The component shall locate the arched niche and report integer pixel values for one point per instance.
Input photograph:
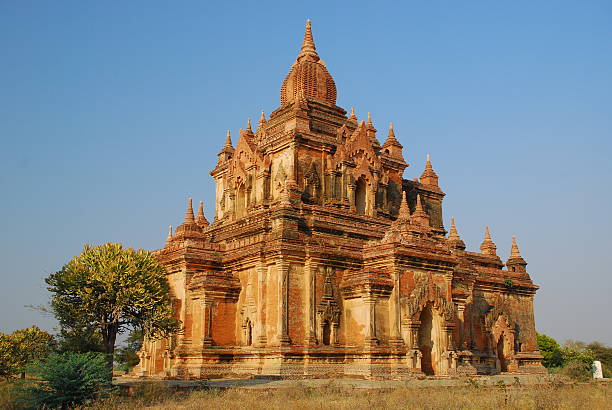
(361, 196)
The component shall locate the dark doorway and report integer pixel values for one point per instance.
(500, 354)
(426, 342)
(326, 332)
(360, 196)
(249, 333)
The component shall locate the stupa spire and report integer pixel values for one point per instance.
(201, 219)
(248, 126)
(487, 246)
(169, 238)
(454, 240)
(228, 140)
(419, 215)
(514, 251)
(429, 176)
(515, 262)
(189, 217)
(353, 117)
(452, 233)
(308, 45)
(262, 120)
(404, 211)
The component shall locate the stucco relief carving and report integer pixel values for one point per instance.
(426, 290)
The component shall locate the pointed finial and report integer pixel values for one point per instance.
(262, 119)
(353, 117)
(404, 211)
(429, 176)
(189, 218)
(419, 204)
(487, 246)
(201, 219)
(452, 233)
(391, 133)
(169, 238)
(419, 216)
(308, 45)
(248, 127)
(514, 251)
(369, 119)
(228, 139)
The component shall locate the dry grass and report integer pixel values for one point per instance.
(546, 396)
(556, 395)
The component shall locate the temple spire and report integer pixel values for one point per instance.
(308, 45)
(227, 150)
(487, 246)
(452, 233)
(514, 251)
(201, 219)
(248, 127)
(404, 211)
(353, 117)
(454, 240)
(262, 120)
(169, 238)
(429, 176)
(370, 120)
(419, 215)
(515, 262)
(189, 217)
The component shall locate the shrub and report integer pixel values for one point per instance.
(549, 348)
(69, 379)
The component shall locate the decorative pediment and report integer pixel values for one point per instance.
(426, 291)
(501, 307)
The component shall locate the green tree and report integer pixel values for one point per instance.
(8, 364)
(68, 379)
(110, 289)
(21, 348)
(577, 360)
(30, 344)
(79, 340)
(550, 349)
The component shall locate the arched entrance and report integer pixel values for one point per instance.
(249, 333)
(501, 354)
(360, 196)
(430, 340)
(326, 333)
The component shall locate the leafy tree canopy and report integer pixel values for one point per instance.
(21, 348)
(110, 289)
(550, 349)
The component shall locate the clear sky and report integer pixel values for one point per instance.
(111, 114)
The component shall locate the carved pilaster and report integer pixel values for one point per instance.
(396, 326)
(283, 274)
(370, 336)
(461, 317)
(207, 307)
(261, 281)
(310, 269)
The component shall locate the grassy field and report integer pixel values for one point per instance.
(557, 395)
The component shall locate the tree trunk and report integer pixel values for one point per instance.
(109, 336)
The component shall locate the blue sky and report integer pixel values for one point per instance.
(111, 114)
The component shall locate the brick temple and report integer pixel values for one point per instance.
(322, 261)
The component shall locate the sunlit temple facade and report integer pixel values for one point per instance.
(323, 261)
